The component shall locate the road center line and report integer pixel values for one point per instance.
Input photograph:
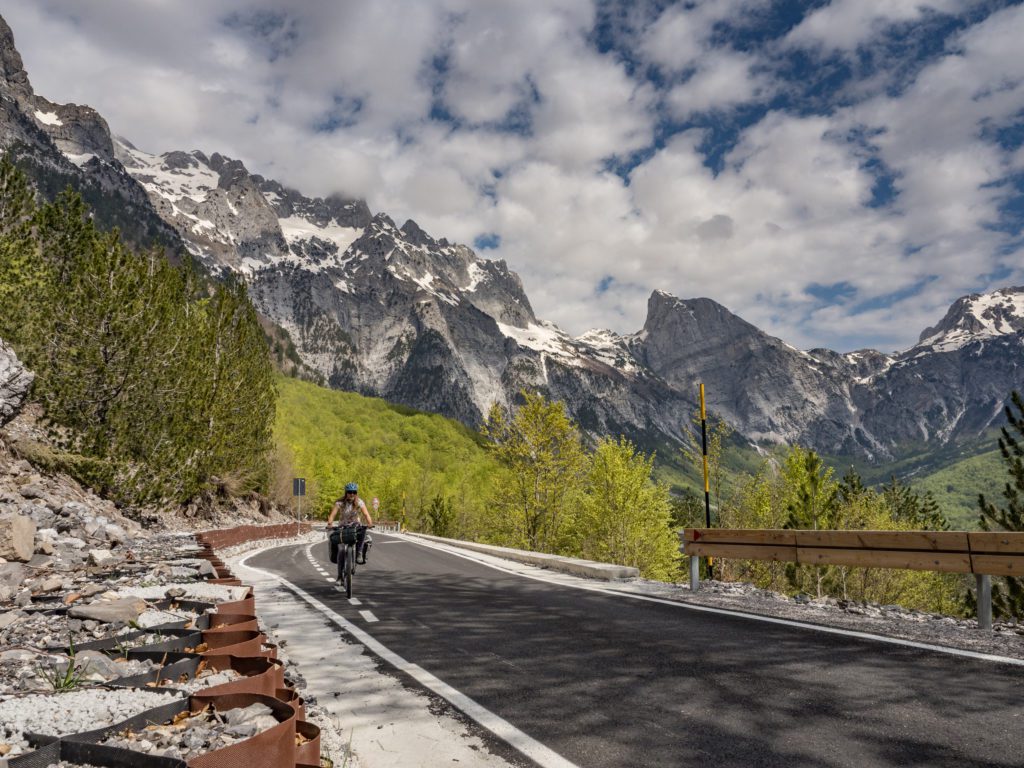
(368, 615)
(504, 730)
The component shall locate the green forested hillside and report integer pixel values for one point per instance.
(406, 458)
(956, 487)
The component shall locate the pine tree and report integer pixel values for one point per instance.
(812, 502)
(908, 506)
(236, 395)
(1010, 517)
(21, 272)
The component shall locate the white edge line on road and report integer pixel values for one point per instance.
(504, 730)
(740, 614)
(368, 615)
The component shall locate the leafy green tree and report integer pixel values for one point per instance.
(1010, 517)
(759, 502)
(626, 518)
(541, 451)
(687, 510)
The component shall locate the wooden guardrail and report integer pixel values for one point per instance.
(982, 553)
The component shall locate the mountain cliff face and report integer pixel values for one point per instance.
(61, 145)
(391, 311)
(952, 384)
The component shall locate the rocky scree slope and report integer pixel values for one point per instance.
(81, 585)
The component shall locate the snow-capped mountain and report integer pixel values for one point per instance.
(391, 311)
(66, 144)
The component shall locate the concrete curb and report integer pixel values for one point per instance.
(587, 568)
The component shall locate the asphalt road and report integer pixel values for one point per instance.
(605, 680)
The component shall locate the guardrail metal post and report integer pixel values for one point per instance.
(984, 600)
(694, 573)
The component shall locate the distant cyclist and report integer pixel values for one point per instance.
(349, 509)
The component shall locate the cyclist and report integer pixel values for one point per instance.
(351, 508)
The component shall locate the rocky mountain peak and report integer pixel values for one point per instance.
(231, 172)
(80, 132)
(415, 235)
(977, 316)
(12, 70)
(700, 322)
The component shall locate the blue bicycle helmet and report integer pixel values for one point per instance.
(351, 488)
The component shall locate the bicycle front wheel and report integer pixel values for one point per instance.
(350, 557)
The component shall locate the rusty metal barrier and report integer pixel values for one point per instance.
(242, 534)
(233, 639)
(307, 742)
(234, 643)
(224, 622)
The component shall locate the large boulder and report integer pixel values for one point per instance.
(17, 537)
(14, 383)
(123, 610)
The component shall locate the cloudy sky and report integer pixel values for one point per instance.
(834, 172)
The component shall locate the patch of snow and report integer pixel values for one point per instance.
(194, 182)
(296, 229)
(477, 275)
(607, 347)
(542, 337)
(81, 159)
(48, 118)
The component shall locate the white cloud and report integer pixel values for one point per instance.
(722, 79)
(845, 24)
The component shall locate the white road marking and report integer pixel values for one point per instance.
(738, 614)
(370, 618)
(530, 747)
(354, 601)
(328, 578)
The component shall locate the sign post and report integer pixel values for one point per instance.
(298, 491)
(704, 450)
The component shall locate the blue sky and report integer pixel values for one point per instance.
(834, 172)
